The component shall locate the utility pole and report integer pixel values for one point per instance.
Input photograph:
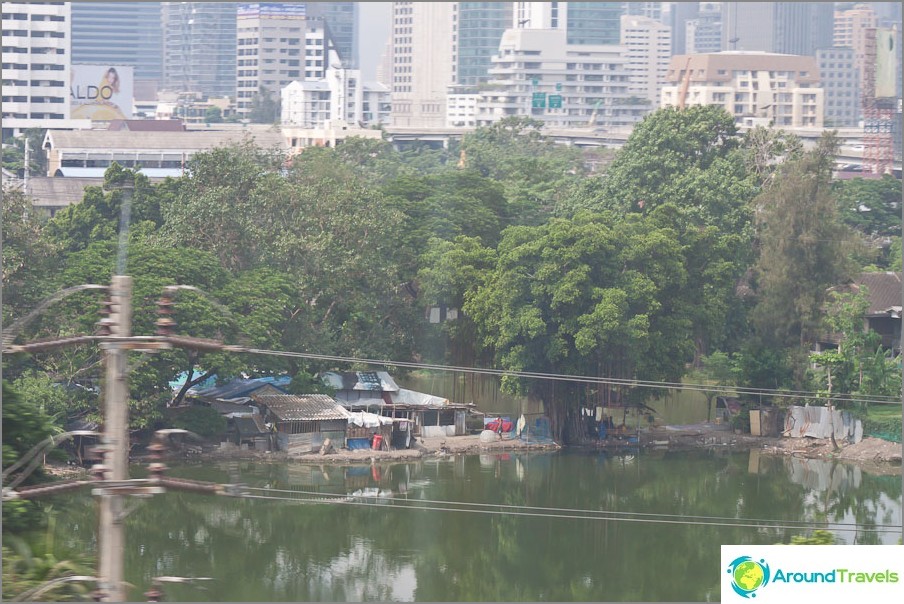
(116, 442)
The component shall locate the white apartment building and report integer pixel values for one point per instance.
(649, 47)
(461, 107)
(340, 96)
(36, 67)
(537, 74)
(423, 61)
(277, 44)
(781, 89)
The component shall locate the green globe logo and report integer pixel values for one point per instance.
(748, 575)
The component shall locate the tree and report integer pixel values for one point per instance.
(717, 369)
(585, 298)
(804, 251)
(873, 207)
(213, 115)
(859, 367)
(264, 108)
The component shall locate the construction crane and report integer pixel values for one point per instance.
(685, 84)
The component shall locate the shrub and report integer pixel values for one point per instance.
(203, 421)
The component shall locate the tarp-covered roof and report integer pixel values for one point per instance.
(377, 381)
(242, 388)
(307, 407)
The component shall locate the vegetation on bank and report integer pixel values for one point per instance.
(697, 251)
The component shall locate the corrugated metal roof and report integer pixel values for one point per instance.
(46, 191)
(884, 291)
(250, 426)
(374, 381)
(307, 407)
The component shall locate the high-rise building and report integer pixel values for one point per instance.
(119, 33)
(479, 28)
(341, 19)
(422, 62)
(597, 23)
(840, 79)
(37, 63)
(679, 14)
(852, 30)
(704, 33)
(340, 96)
(780, 27)
(278, 43)
(199, 47)
(653, 10)
(648, 45)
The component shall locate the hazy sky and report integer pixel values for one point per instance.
(374, 28)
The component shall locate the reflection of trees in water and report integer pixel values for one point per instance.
(272, 550)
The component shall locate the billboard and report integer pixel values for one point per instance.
(886, 63)
(101, 92)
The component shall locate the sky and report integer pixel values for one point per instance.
(374, 27)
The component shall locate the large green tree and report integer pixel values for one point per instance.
(584, 297)
(804, 250)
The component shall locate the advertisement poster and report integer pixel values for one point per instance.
(101, 92)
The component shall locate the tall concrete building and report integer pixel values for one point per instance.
(119, 33)
(798, 28)
(199, 47)
(341, 19)
(704, 33)
(597, 23)
(652, 10)
(37, 63)
(852, 28)
(840, 79)
(478, 29)
(648, 45)
(278, 43)
(422, 62)
(679, 15)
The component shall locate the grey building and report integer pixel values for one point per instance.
(679, 15)
(479, 30)
(119, 33)
(199, 47)
(653, 10)
(798, 28)
(840, 80)
(704, 34)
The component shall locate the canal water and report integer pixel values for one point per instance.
(563, 526)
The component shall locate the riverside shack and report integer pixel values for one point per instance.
(303, 422)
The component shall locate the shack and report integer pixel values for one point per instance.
(303, 422)
(250, 431)
(377, 392)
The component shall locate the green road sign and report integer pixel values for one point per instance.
(538, 101)
(555, 101)
(558, 86)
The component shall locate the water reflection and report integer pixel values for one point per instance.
(389, 535)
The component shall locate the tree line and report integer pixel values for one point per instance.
(695, 246)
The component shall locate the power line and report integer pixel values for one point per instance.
(347, 500)
(540, 510)
(876, 399)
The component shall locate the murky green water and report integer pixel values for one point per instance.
(401, 537)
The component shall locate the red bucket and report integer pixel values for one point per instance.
(378, 442)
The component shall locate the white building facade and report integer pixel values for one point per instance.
(423, 60)
(276, 43)
(340, 96)
(779, 89)
(567, 86)
(37, 65)
(648, 44)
